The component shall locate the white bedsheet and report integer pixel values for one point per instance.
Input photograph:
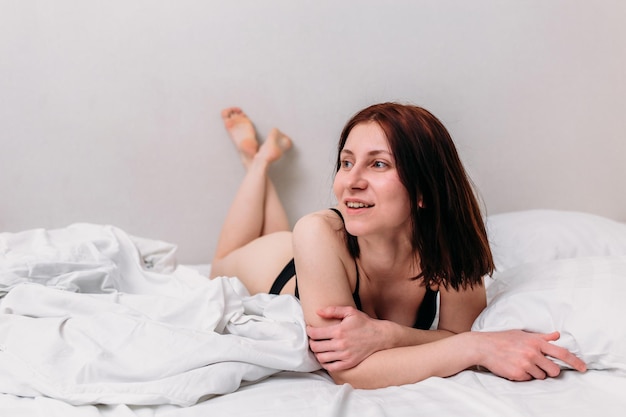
(114, 320)
(85, 321)
(288, 394)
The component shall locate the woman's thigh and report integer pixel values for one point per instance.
(258, 263)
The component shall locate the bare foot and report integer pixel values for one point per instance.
(241, 131)
(274, 146)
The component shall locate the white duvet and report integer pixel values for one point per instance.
(92, 315)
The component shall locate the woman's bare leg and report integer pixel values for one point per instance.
(275, 217)
(254, 244)
(256, 209)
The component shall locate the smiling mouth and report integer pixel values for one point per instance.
(354, 204)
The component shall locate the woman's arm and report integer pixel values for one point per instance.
(514, 355)
(320, 254)
(345, 344)
(459, 309)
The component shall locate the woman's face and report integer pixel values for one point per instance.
(367, 187)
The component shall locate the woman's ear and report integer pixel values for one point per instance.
(420, 202)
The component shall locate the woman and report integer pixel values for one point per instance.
(406, 227)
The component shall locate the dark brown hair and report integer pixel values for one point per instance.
(448, 230)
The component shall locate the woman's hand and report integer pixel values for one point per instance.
(344, 345)
(520, 356)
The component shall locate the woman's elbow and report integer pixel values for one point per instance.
(358, 381)
(354, 383)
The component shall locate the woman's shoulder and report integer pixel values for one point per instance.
(322, 224)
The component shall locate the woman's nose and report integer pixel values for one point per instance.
(356, 178)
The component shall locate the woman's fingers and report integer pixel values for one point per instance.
(333, 361)
(328, 357)
(565, 356)
(544, 368)
(320, 333)
(321, 346)
(520, 356)
(336, 312)
(561, 354)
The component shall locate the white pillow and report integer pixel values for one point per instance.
(540, 235)
(583, 298)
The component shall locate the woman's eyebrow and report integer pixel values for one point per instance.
(373, 152)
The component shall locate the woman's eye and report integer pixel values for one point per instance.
(380, 164)
(346, 164)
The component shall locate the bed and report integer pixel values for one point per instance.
(96, 322)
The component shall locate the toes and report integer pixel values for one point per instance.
(230, 112)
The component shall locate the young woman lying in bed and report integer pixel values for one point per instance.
(407, 226)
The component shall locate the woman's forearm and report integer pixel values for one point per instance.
(401, 336)
(513, 354)
(410, 364)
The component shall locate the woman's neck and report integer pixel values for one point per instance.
(384, 259)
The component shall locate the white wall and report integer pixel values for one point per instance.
(109, 111)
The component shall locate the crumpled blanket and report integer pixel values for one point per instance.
(92, 315)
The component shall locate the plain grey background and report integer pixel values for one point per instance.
(109, 110)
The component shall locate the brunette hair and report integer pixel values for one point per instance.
(448, 230)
